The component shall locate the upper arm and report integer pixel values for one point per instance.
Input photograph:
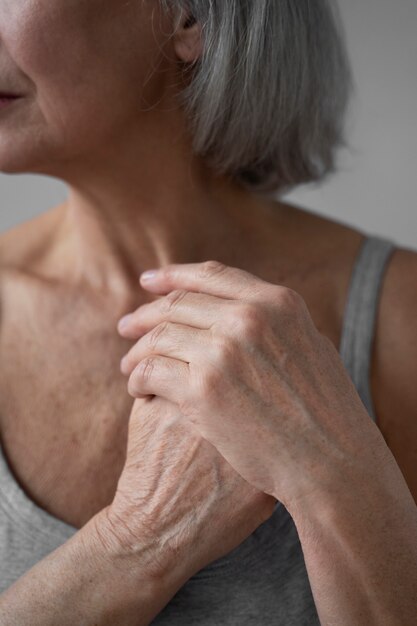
(394, 362)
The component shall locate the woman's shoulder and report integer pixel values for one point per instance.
(314, 238)
(320, 252)
(23, 250)
(23, 245)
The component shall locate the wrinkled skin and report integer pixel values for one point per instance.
(243, 361)
(87, 71)
(178, 496)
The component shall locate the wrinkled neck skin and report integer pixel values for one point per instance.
(125, 217)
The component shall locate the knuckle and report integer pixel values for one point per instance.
(141, 374)
(210, 382)
(155, 334)
(289, 298)
(224, 349)
(211, 268)
(249, 320)
(172, 299)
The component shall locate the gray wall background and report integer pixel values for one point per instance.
(374, 188)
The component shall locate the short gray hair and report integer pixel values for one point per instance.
(268, 96)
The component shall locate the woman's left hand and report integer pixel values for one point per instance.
(244, 362)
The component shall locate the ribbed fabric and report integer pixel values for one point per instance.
(264, 580)
(361, 312)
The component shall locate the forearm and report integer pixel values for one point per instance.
(88, 581)
(360, 550)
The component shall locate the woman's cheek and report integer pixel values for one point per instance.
(46, 40)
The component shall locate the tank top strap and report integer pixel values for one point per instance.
(360, 313)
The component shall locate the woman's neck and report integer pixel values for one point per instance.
(107, 241)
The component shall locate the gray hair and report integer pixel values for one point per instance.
(268, 95)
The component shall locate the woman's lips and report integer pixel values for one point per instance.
(5, 100)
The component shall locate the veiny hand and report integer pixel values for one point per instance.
(244, 363)
(177, 499)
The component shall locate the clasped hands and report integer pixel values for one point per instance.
(243, 361)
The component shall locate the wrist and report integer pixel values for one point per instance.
(124, 586)
(88, 580)
(359, 541)
(362, 487)
(141, 553)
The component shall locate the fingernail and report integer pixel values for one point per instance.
(148, 275)
(124, 321)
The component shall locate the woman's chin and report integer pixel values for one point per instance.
(16, 165)
(15, 159)
(10, 166)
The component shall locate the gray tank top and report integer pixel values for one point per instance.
(264, 580)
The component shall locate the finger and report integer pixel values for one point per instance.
(149, 414)
(160, 376)
(179, 306)
(170, 340)
(211, 277)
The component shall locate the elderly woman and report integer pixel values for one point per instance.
(233, 467)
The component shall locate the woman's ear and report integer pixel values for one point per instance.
(188, 42)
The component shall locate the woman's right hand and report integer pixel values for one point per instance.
(177, 495)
